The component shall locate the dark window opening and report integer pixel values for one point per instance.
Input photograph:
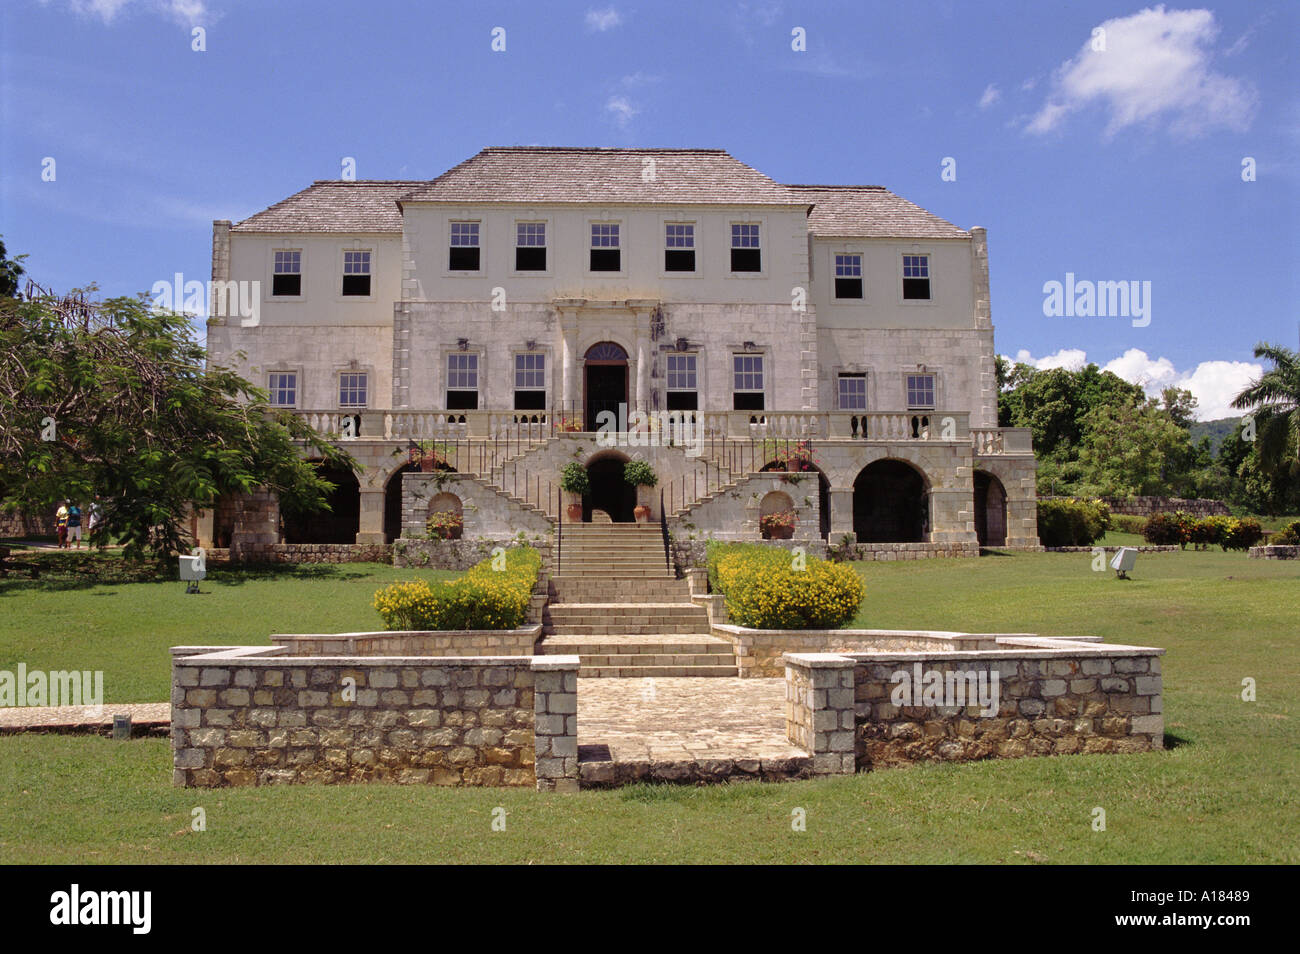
(530, 400)
(462, 400)
(747, 401)
(916, 288)
(605, 260)
(530, 259)
(683, 400)
(356, 284)
(463, 259)
(286, 285)
(746, 260)
(848, 288)
(679, 260)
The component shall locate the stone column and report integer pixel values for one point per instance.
(371, 528)
(820, 710)
(841, 515)
(569, 395)
(555, 722)
(641, 401)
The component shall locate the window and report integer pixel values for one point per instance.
(283, 386)
(462, 382)
(848, 276)
(530, 382)
(853, 392)
(916, 276)
(352, 389)
(920, 390)
(530, 246)
(682, 383)
(356, 273)
(747, 382)
(679, 247)
(464, 247)
(605, 249)
(746, 255)
(287, 277)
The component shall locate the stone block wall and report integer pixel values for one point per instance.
(254, 716)
(819, 710)
(460, 554)
(466, 642)
(1146, 506)
(734, 514)
(302, 553)
(1276, 552)
(760, 653)
(487, 513)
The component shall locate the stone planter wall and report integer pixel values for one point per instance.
(459, 554)
(760, 652)
(255, 716)
(1274, 553)
(468, 642)
(301, 553)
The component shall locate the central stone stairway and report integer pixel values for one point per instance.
(615, 604)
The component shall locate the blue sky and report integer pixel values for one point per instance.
(1123, 163)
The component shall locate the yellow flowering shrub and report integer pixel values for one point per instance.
(484, 598)
(764, 590)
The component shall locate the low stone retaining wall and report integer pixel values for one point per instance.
(1274, 553)
(468, 642)
(458, 554)
(1146, 506)
(1145, 548)
(255, 716)
(1029, 696)
(302, 553)
(689, 553)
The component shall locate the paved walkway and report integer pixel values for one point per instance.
(144, 715)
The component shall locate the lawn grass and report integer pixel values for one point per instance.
(1226, 791)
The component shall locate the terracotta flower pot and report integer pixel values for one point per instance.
(574, 512)
(426, 464)
(781, 533)
(641, 513)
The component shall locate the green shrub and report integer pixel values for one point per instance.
(1207, 530)
(639, 474)
(1288, 536)
(573, 478)
(484, 598)
(765, 591)
(1168, 529)
(1242, 534)
(1072, 523)
(1125, 523)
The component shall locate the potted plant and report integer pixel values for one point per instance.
(569, 425)
(641, 476)
(445, 525)
(574, 482)
(777, 526)
(429, 455)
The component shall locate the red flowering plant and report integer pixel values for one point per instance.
(787, 456)
(780, 523)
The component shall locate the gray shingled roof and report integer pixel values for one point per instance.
(329, 205)
(604, 175)
(870, 212)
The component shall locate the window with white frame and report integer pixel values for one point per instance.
(356, 272)
(746, 249)
(530, 381)
(286, 278)
(462, 381)
(283, 386)
(353, 389)
(530, 246)
(853, 391)
(606, 250)
(920, 391)
(463, 255)
(916, 277)
(679, 247)
(683, 382)
(848, 276)
(747, 382)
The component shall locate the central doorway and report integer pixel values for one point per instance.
(609, 491)
(605, 382)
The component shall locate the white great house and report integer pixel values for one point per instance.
(492, 320)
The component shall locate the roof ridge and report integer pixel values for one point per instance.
(709, 149)
(806, 185)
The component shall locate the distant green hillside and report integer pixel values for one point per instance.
(1217, 430)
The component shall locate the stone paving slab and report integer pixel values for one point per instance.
(684, 730)
(145, 716)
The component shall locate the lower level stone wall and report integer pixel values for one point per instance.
(902, 551)
(1274, 553)
(301, 553)
(1146, 506)
(254, 716)
(470, 642)
(760, 653)
(459, 554)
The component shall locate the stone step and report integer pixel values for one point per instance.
(625, 645)
(605, 610)
(660, 672)
(581, 589)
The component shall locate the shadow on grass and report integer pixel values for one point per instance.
(986, 551)
(62, 572)
(1176, 741)
(686, 793)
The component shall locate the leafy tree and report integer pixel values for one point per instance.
(1132, 450)
(1274, 404)
(119, 404)
(10, 271)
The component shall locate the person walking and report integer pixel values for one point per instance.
(93, 518)
(61, 524)
(74, 525)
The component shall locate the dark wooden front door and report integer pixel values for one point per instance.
(606, 389)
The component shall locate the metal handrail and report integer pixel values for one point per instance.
(559, 529)
(663, 526)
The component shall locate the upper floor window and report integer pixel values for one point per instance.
(848, 276)
(530, 381)
(920, 390)
(853, 392)
(605, 248)
(746, 252)
(356, 273)
(352, 389)
(464, 252)
(679, 247)
(530, 246)
(287, 276)
(683, 382)
(916, 276)
(747, 382)
(283, 386)
(462, 381)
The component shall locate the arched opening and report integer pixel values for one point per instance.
(776, 520)
(446, 520)
(990, 510)
(604, 383)
(891, 504)
(393, 502)
(609, 491)
(340, 523)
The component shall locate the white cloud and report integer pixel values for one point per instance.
(991, 95)
(1213, 383)
(1156, 66)
(621, 109)
(185, 12)
(602, 20)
